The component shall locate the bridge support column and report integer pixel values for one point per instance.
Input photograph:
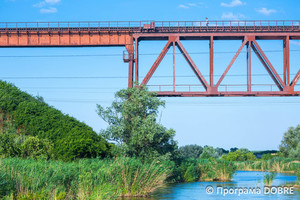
(130, 61)
(130, 74)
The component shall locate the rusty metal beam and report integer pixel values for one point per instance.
(211, 61)
(286, 60)
(158, 61)
(296, 79)
(173, 66)
(249, 66)
(227, 94)
(231, 62)
(192, 64)
(136, 59)
(267, 64)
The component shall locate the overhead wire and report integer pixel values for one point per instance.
(141, 54)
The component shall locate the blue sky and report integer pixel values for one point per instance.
(254, 123)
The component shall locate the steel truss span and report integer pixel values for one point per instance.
(129, 34)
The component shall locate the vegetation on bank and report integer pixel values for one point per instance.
(83, 179)
(132, 124)
(144, 157)
(277, 164)
(70, 138)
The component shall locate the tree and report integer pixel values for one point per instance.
(233, 149)
(208, 152)
(221, 151)
(239, 155)
(190, 151)
(290, 144)
(132, 120)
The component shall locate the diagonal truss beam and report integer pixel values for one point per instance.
(192, 65)
(296, 79)
(231, 63)
(157, 62)
(267, 64)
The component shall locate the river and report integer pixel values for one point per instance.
(242, 182)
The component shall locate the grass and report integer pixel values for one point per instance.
(216, 170)
(274, 165)
(269, 178)
(84, 179)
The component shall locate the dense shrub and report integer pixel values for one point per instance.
(209, 152)
(216, 170)
(192, 173)
(190, 151)
(239, 155)
(72, 139)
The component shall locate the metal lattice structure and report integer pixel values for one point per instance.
(129, 34)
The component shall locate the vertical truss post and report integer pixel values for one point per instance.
(249, 66)
(211, 61)
(130, 74)
(130, 60)
(173, 66)
(286, 61)
(136, 59)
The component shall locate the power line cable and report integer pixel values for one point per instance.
(142, 54)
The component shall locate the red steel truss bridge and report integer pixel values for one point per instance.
(129, 34)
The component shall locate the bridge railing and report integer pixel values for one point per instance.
(249, 25)
(222, 88)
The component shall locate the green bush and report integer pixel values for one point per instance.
(72, 139)
(216, 170)
(239, 155)
(192, 174)
(36, 148)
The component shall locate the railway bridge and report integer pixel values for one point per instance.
(130, 33)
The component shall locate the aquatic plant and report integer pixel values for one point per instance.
(269, 178)
(216, 170)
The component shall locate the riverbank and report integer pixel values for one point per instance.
(111, 178)
(84, 179)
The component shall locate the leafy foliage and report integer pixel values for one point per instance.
(209, 152)
(290, 144)
(190, 151)
(71, 139)
(239, 155)
(216, 170)
(132, 120)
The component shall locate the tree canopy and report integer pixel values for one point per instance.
(133, 125)
(290, 144)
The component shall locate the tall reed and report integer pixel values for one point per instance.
(84, 179)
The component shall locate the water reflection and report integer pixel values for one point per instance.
(242, 179)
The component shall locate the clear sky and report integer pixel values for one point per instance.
(255, 123)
